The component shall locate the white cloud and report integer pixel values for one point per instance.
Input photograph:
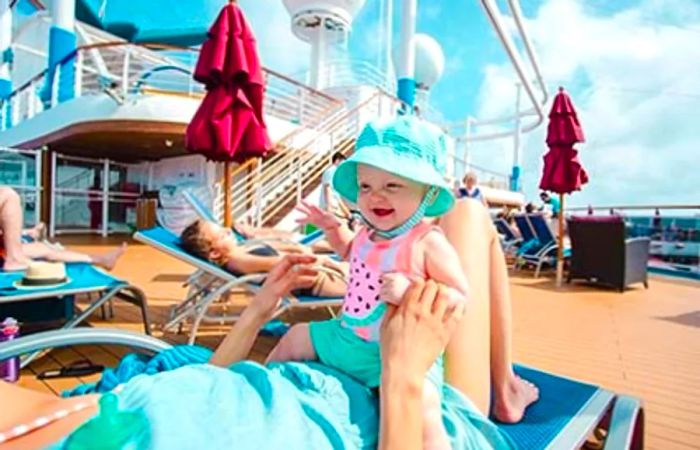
(633, 76)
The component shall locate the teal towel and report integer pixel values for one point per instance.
(293, 405)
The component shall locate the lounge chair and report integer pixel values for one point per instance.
(546, 250)
(210, 282)
(567, 412)
(539, 244)
(509, 239)
(83, 279)
(525, 228)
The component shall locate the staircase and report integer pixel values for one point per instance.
(266, 192)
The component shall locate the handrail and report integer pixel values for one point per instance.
(123, 68)
(290, 163)
(159, 46)
(306, 165)
(634, 207)
(494, 15)
(278, 159)
(331, 122)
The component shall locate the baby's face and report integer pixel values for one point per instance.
(386, 200)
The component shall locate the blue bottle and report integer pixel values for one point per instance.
(9, 369)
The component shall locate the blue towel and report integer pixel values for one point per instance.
(289, 405)
(137, 364)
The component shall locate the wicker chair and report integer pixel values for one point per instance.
(600, 252)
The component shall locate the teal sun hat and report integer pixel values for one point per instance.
(407, 147)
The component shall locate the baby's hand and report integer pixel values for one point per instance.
(394, 286)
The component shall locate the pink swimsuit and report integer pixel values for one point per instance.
(362, 309)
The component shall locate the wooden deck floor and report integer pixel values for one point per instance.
(644, 342)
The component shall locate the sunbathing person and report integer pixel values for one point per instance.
(251, 232)
(214, 243)
(16, 255)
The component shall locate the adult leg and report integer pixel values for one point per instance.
(467, 357)
(470, 230)
(40, 250)
(11, 217)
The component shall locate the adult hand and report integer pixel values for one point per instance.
(415, 333)
(292, 272)
(317, 216)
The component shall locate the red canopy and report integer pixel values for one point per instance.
(229, 124)
(563, 172)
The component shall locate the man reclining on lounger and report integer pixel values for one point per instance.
(214, 243)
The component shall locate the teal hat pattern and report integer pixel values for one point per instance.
(406, 147)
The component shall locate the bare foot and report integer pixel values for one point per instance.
(15, 265)
(109, 260)
(511, 402)
(37, 232)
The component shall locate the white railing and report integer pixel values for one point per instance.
(126, 71)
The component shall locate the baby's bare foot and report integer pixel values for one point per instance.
(511, 402)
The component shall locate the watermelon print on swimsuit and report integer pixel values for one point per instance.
(362, 308)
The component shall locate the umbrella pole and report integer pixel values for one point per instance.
(560, 244)
(227, 194)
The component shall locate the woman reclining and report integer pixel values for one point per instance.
(214, 243)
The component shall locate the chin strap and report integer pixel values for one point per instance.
(411, 222)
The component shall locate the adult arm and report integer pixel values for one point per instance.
(240, 261)
(413, 336)
(291, 272)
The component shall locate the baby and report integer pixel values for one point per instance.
(394, 178)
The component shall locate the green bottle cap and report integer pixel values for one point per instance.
(111, 429)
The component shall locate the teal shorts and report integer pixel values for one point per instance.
(339, 347)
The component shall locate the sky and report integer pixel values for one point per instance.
(631, 68)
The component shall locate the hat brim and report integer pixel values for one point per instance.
(404, 166)
(20, 285)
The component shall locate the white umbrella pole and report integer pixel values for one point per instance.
(560, 244)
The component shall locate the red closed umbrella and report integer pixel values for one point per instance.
(563, 173)
(229, 124)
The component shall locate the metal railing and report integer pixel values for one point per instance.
(125, 71)
(76, 208)
(350, 72)
(267, 188)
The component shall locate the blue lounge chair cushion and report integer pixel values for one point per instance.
(82, 277)
(561, 399)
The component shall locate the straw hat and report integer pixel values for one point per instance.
(41, 274)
